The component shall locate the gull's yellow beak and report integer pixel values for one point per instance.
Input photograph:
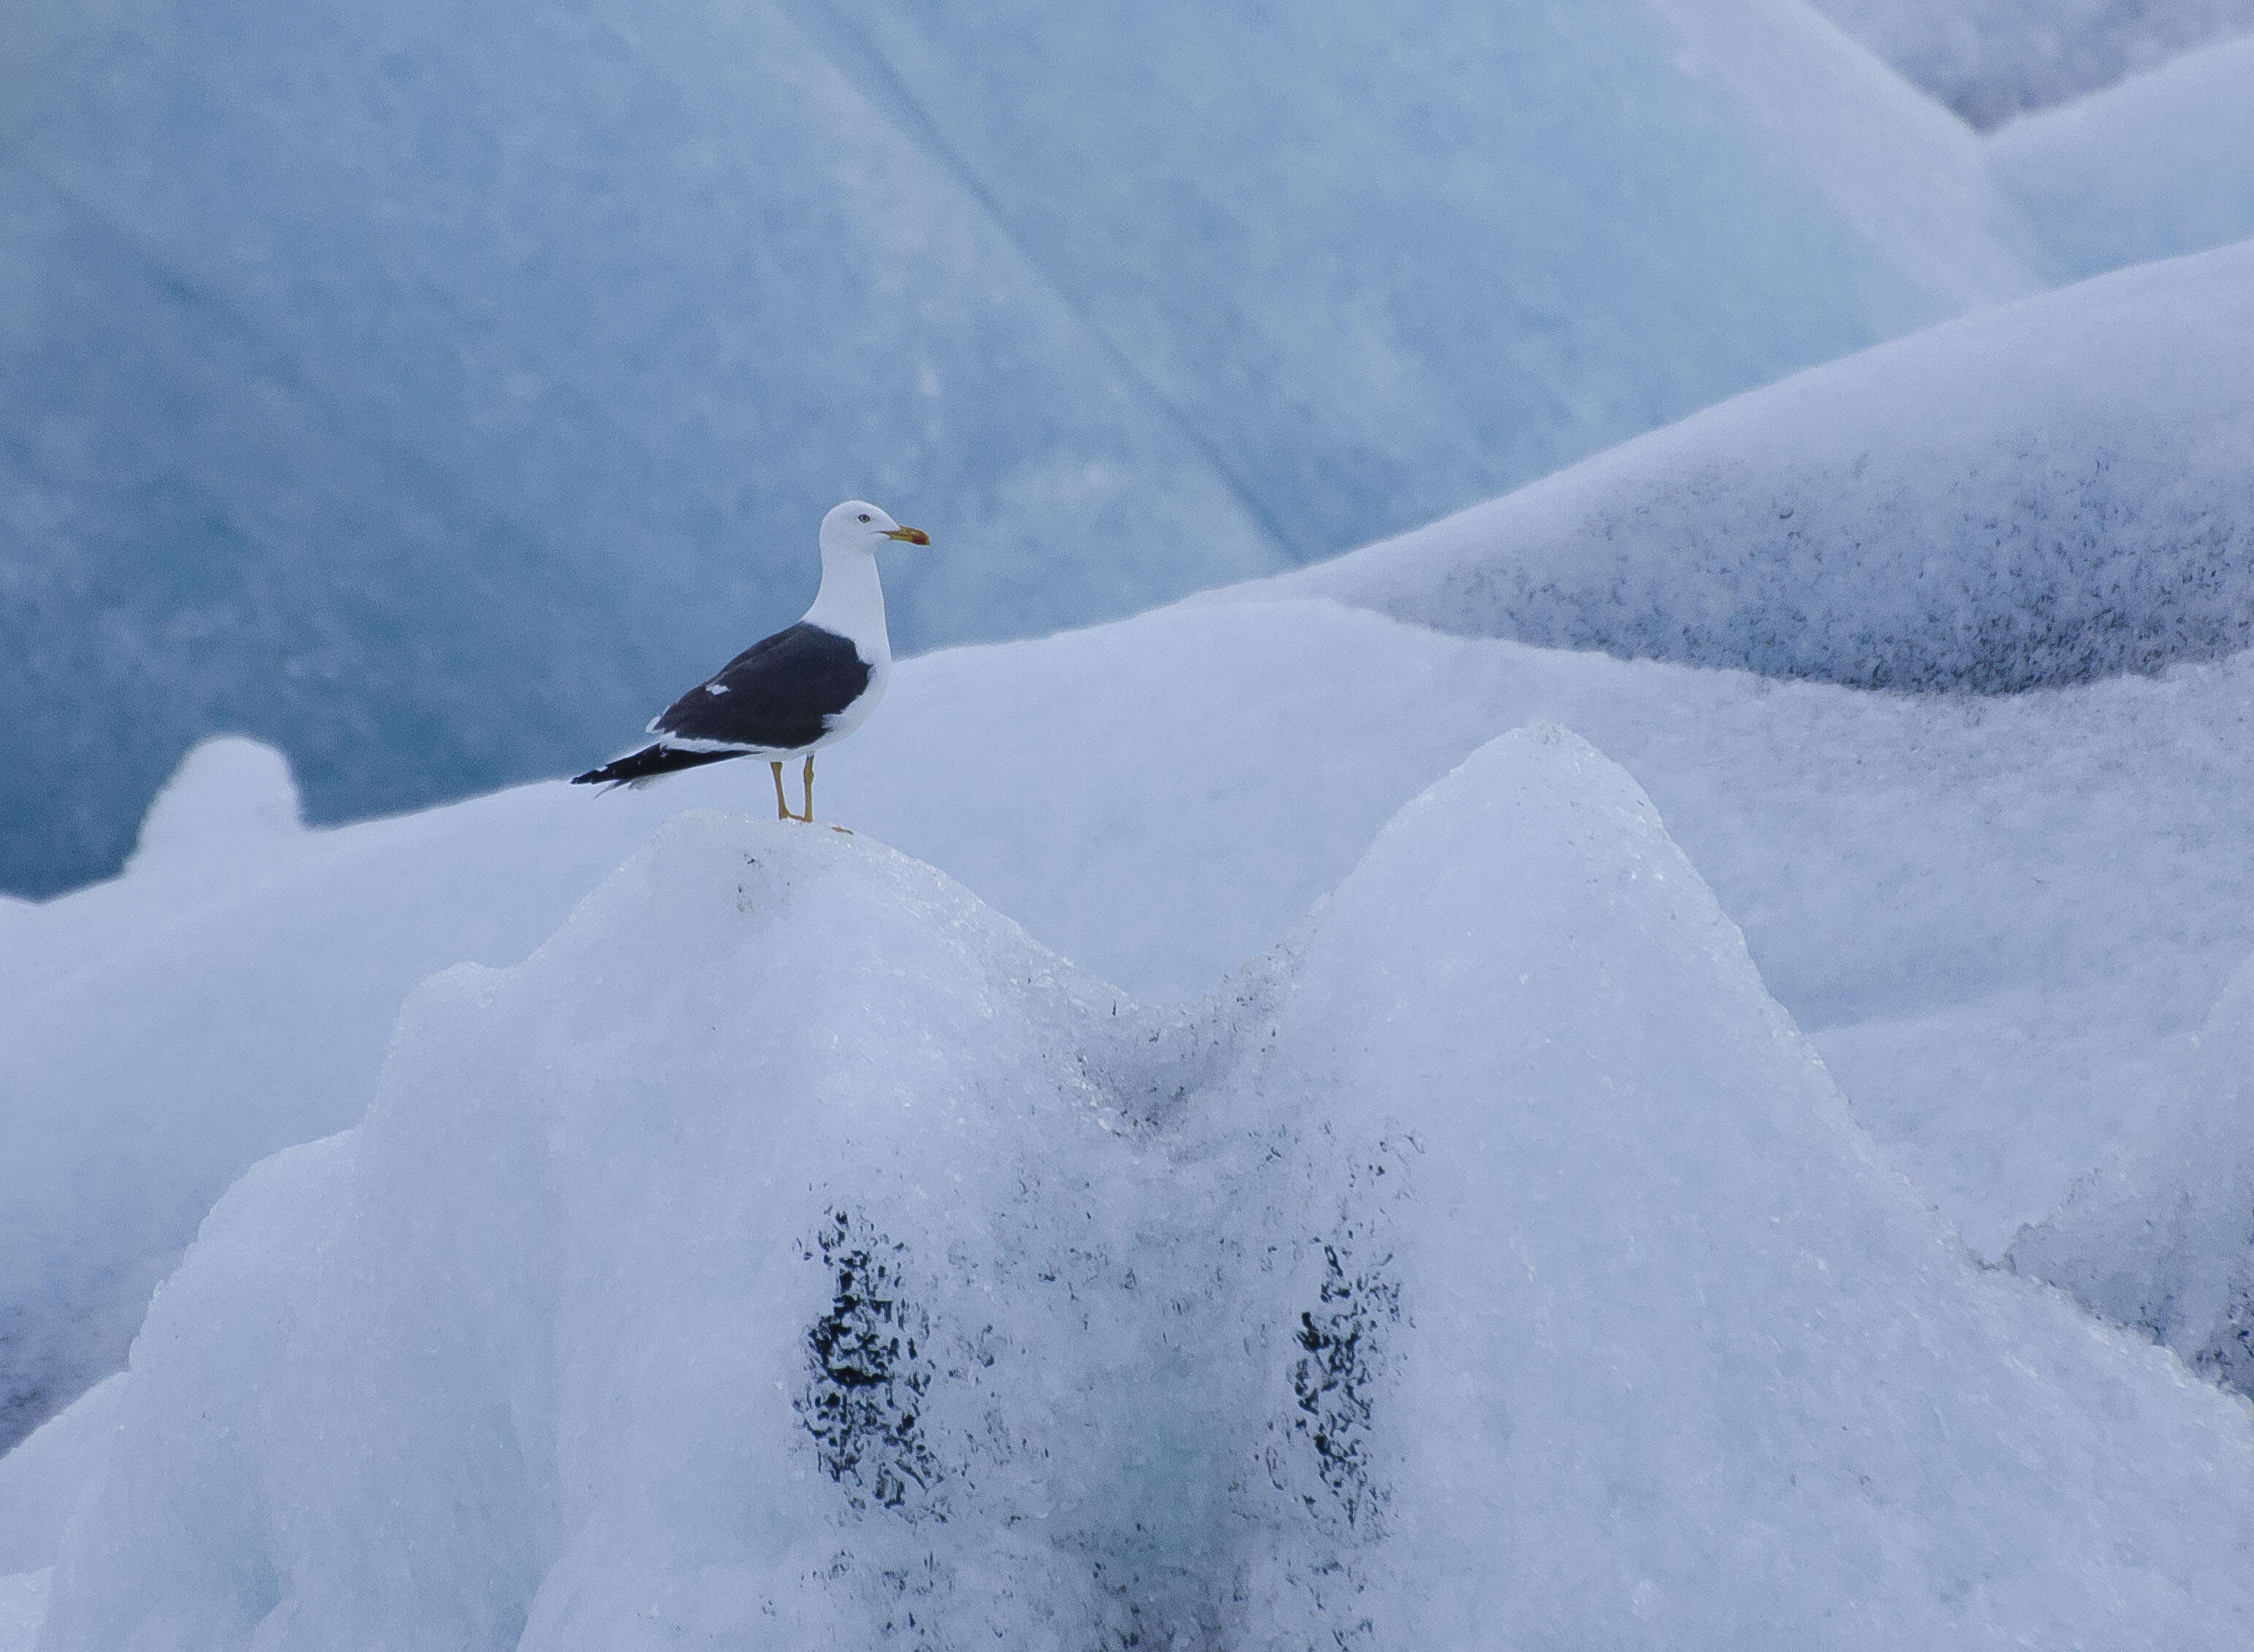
(914, 536)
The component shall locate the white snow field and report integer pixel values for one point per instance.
(2160, 165)
(424, 390)
(792, 1252)
(2039, 493)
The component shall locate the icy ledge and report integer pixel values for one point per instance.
(790, 1253)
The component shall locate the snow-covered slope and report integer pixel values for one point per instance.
(1997, 918)
(790, 1251)
(2158, 165)
(2041, 493)
(1990, 59)
(432, 391)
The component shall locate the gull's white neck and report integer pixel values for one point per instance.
(851, 603)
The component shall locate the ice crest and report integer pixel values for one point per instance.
(231, 801)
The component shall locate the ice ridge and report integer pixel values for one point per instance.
(790, 1251)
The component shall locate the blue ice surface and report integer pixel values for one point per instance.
(1993, 59)
(2160, 165)
(435, 394)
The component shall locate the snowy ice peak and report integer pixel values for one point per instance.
(791, 1253)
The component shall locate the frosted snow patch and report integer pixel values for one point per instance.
(792, 1250)
(2035, 494)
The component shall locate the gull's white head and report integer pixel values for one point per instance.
(858, 525)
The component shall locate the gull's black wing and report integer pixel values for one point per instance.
(778, 695)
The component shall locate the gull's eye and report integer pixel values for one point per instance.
(864, 515)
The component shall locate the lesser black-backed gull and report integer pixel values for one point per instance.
(807, 686)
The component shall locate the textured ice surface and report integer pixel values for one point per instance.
(2161, 1237)
(2038, 494)
(791, 1252)
(23, 1608)
(43, 1478)
(1991, 59)
(41, 1481)
(433, 393)
(1998, 918)
(226, 996)
(2160, 165)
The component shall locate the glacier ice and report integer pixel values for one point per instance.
(2038, 493)
(1990, 59)
(1997, 918)
(1452, 246)
(43, 1478)
(791, 1251)
(23, 1608)
(2162, 163)
(432, 394)
(230, 995)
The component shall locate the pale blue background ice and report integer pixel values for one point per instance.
(434, 392)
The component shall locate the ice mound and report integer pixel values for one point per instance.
(232, 800)
(791, 1251)
(434, 394)
(2158, 165)
(2161, 1237)
(1996, 922)
(2038, 494)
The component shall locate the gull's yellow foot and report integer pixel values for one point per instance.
(783, 808)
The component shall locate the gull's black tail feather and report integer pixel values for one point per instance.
(648, 764)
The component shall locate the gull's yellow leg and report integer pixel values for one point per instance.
(782, 809)
(808, 816)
